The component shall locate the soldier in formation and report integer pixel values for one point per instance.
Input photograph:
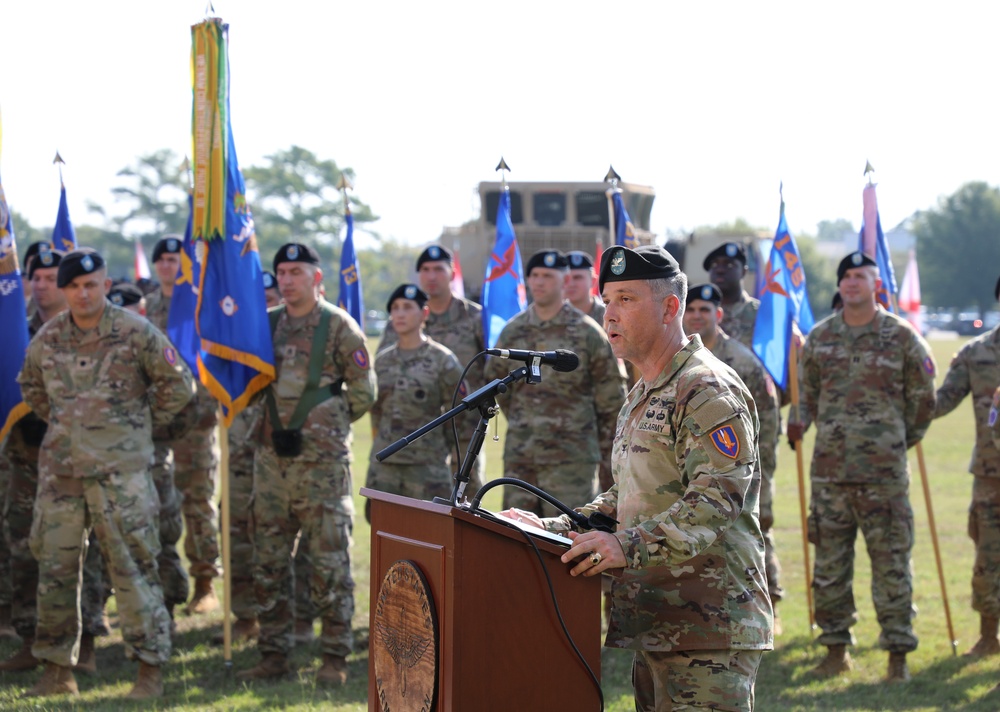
(580, 286)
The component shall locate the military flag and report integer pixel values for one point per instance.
(184, 303)
(909, 294)
(14, 324)
(236, 356)
(871, 241)
(350, 299)
(621, 223)
(783, 302)
(63, 234)
(457, 283)
(503, 290)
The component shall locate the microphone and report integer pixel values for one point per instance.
(560, 360)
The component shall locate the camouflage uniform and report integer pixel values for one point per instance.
(311, 491)
(460, 330)
(976, 370)
(195, 471)
(241, 449)
(102, 392)
(738, 319)
(870, 390)
(692, 600)
(596, 310)
(415, 386)
(749, 368)
(5, 551)
(559, 431)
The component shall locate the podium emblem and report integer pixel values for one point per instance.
(405, 641)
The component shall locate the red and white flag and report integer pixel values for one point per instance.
(909, 294)
(457, 285)
(141, 265)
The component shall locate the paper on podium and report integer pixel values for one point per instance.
(529, 528)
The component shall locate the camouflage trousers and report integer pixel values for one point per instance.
(695, 679)
(289, 496)
(18, 507)
(415, 481)
(885, 518)
(466, 423)
(196, 466)
(574, 484)
(772, 567)
(5, 555)
(173, 577)
(984, 529)
(122, 509)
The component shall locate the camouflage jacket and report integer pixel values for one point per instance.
(102, 392)
(596, 311)
(994, 418)
(738, 319)
(326, 432)
(685, 496)
(975, 369)
(460, 330)
(415, 386)
(870, 391)
(568, 417)
(765, 396)
(158, 309)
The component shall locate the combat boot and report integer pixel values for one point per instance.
(333, 672)
(56, 680)
(898, 671)
(87, 662)
(836, 662)
(21, 660)
(243, 629)
(304, 632)
(149, 683)
(988, 644)
(6, 629)
(204, 600)
(272, 665)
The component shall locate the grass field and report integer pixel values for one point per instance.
(197, 678)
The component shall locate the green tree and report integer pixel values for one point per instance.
(954, 241)
(834, 230)
(821, 275)
(153, 191)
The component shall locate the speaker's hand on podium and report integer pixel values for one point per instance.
(519, 515)
(597, 551)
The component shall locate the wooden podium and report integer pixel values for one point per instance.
(498, 642)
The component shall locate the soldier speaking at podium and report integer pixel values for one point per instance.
(689, 594)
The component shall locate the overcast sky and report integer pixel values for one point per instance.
(712, 104)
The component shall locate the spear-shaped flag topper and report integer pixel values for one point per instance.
(612, 177)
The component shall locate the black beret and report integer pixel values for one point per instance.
(732, 250)
(44, 259)
(34, 248)
(855, 259)
(620, 264)
(550, 259)
(171, 244)
(434, 253)
(837, 302)
(579, 260)
(78, 262)
(269, 281)
(706, 293)
(407, 291)
(296, 252)
(125, 294)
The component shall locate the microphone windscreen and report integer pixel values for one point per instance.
(566, 361)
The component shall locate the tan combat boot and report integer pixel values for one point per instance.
(898, 671)
(204, 600)
(988, 644)
(333, 672)
(56, 680)
(303, 633)
(87, 662)
(149, 683)
(272, 665)
(243, 629)
(21, 660)
(6, 629)
(836, 662)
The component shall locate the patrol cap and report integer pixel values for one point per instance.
(550, 259)
(76, 263)
(296, 252)
(855, 259)
(620, 264)
(44, 259)
(732, 250)
(434, 253)
(169, 244)
(407, 291)
(269, 281)
(125, 294)
(706, 293)
(579, 260)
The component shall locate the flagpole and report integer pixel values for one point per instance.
(793, 417)
(227, 572)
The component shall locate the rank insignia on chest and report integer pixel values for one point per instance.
(289, 351)
(726, 442)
